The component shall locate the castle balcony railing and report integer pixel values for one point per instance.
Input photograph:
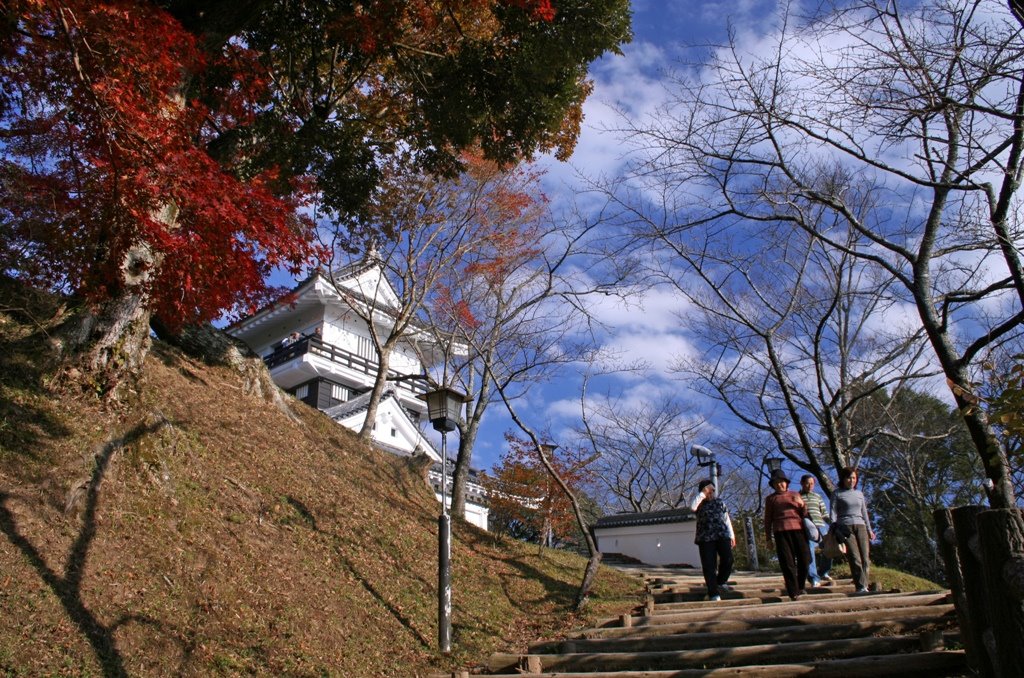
(316, 346)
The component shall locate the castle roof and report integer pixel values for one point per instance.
(679, 515)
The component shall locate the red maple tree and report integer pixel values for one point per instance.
(526, 501)
(155, 156)
(103, 155)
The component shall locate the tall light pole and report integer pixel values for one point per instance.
(444, 410)
(546, 451)
(706, 457)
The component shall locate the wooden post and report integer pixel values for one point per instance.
(748, 530)
(1001, 534)
(965, 525)
(945, 538)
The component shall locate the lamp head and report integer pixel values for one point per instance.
(444, 408)
(704, 455)
(547, 449)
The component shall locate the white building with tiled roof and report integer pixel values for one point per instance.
(331, 362)
(654, 537)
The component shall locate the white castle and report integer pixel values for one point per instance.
(319, 349)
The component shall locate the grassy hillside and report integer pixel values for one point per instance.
(193, 530)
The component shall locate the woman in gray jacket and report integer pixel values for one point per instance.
(850, 508)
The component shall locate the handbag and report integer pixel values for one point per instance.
(831, 547)
(811, 530)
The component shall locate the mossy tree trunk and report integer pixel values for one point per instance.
(103, 345)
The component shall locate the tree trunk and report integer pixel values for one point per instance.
(589, 575)
(103, 345)
(467, 438)
(993, 456)
(1001, 535)
(595, 555)
(380, 381)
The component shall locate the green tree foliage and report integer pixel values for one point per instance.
(353, 81)
(922, 460)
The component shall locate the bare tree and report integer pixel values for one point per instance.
(425, 229)
(893, 137)
(643, 463)
(594, 561)
(795, 334)
(518, 309)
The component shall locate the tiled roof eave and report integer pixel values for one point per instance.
(653, 518)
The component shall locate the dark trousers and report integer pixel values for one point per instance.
(716, 562)
(794, 559)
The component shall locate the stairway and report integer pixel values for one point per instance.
(755, 630)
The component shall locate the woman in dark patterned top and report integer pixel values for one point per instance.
(784, 514)
(715, 538)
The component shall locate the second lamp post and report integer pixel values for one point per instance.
(444, 410)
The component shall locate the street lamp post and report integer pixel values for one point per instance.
(773, 463)
(444, 409)
(546, 451)
(706, 457)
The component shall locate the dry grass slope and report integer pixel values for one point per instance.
(192, 530)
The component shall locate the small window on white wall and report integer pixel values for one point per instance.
(302, 391)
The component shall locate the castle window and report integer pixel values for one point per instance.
(339, 392)
(302, 391)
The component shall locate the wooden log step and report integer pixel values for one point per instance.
(794, 608)
(698, 600)
(699, 603)
(699, 593)
(918, 665)
(772, 653)
(783, 634)
(698, 580)
(725, 625)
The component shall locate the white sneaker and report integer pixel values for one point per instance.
(724, 587)
(715, 598)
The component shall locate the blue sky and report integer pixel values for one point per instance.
(647, 327)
